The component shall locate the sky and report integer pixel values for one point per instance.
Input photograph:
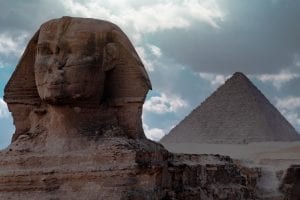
(189, 48)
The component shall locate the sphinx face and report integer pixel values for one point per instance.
(68, 65)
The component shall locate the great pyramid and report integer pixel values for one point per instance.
(237, 112)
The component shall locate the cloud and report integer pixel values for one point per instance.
(155, 50)
(148, 63)
(292, 116)
(289, 107)
(164, 104)
(255, 37)
(288, 103)
(4, 113)
(10, 45)
(279, 79)
(153, 133)
(149, 18)
(214, 79)
(149, 55)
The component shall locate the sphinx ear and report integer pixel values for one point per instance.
(20, 93)
(110, 56)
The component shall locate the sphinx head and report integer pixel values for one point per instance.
(77, 61)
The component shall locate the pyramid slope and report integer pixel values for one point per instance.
(236, 113)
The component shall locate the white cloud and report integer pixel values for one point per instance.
(164, 104)
(144, 57)
(288, 107)
(145, 54)
(149, 18)
(277, 80)
(288, 103)
(153, 133)
(155, 50)
(10, 45)
(292, 116)
(4, 113)
(214, 79)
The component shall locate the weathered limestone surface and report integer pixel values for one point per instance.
(76, 97)
(121, 168)
(108, 169)
(290, 185)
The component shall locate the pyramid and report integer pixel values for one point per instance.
(237, 112)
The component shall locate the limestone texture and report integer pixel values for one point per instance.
(236, 113)
(122, 168)
(290, 185)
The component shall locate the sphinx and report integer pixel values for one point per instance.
(78, 76)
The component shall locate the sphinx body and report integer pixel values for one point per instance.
(78, 77)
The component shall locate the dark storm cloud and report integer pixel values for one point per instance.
(255, 37)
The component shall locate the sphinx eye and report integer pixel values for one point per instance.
(43, 49)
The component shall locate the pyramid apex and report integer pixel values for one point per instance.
(238, 78)
(239, 74)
